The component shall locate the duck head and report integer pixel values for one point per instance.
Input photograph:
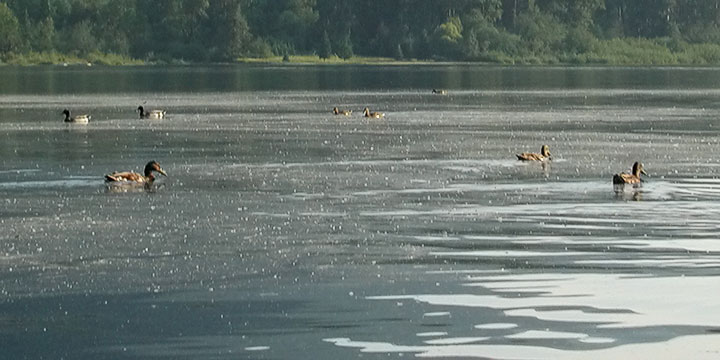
(545, 151)
(638, 169)
(366, 111)
(154, 166)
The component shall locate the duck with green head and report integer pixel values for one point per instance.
(130, 177)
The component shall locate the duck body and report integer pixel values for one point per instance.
(632, 178)
(370, 114)
(342, 112)
(542, 156)
(79, 119)
(439, 92)
(152, 114)
(130, 177)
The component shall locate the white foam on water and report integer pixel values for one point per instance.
(509, 253)
(546, 334)
(645, 301)
(257, 348)
(431, 334)
(496, 326)
(700, 347)
(436, 314)
(597, 340)
(455, 341)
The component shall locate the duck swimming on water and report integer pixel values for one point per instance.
(152, 114)
(369, 114)
(542, 156)
(633, 178)
(80, 119)
(342, 112)
(129, 177)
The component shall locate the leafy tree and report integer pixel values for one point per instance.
(447, 36)
(399, 54)
(9, 30)
(81, 40)
(472, 49)
(541, 32)
(450, 31)
(345, 48)
(325, 50)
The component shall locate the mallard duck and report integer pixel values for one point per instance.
(439, 92)
(542, 156)
(634, 178)
(152, 114)
(369, 114)
(83, 119)
(342, 112)
(135, 178)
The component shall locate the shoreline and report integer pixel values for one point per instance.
(111, 60)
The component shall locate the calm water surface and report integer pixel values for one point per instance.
(284, 232)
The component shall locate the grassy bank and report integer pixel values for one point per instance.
(617, 52)
(55, 58)
(333, 60)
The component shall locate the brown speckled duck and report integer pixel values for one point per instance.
(80, 119)
(542, 156)
(634, 178)
(369, 114)
(152, 114)
(135, 178)
(342, 112)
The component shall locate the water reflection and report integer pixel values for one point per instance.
(628, 191)
(285, 230)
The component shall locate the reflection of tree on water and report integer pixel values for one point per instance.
(628, 192)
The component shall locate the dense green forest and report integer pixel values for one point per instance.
(503, 31)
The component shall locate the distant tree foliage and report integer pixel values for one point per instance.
(9, 30)
(325, 50)
(475, 30)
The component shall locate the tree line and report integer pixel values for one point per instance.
(466, 30)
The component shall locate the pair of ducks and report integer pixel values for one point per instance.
(366, 112)
(83, 119)
(618, 179)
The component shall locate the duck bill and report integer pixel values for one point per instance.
(162, 172)
(644, 173)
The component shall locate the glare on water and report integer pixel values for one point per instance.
(284, 231)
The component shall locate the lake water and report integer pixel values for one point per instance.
(284, 232)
